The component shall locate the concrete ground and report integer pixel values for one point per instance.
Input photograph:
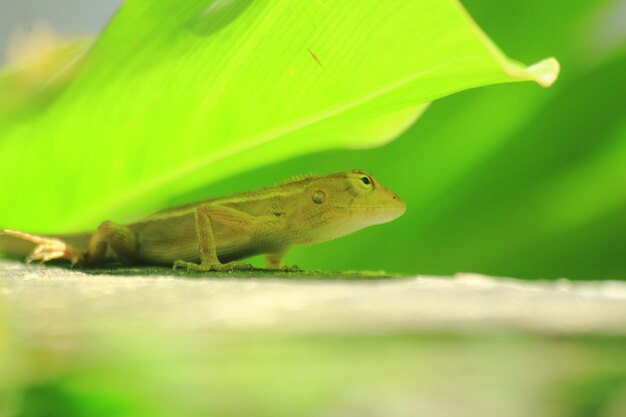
(308, 344)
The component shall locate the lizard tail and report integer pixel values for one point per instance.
(16, 243)
(12, 245)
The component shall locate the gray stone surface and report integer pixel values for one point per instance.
(156, 343)
(49, 299)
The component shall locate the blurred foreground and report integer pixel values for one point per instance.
(73, 344)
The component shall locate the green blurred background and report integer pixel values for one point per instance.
(510, 180)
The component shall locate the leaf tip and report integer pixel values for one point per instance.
(545, 72)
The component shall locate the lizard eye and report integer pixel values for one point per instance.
(365, 182)
(319, 197)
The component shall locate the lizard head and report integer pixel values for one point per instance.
(339, 204)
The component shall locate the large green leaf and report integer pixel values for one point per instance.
(509, 181)
(174, 95)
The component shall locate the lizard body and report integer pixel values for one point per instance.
(213, 234)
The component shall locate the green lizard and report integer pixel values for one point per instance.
(211, 235)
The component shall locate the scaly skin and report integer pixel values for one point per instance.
(212, 235)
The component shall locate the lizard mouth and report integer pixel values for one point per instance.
(392, 212)
(372, 207)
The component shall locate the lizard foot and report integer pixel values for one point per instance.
(231, 266)
(293, 268)
(46, 248)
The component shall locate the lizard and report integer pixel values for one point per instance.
(214, 234)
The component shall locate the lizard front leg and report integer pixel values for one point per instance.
(275, 261)
(205, 216)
